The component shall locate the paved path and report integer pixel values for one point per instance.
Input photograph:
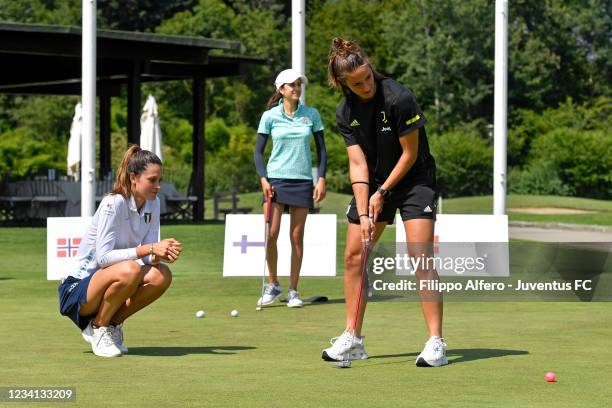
(560, 234)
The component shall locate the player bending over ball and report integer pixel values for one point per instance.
(390, 168)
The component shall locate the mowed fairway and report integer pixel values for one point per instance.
(499, 352)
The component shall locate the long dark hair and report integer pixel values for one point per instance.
(346, 56)
(135, 160)
(273, 101)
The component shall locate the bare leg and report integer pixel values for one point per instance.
(421, 233)
(296, 235)
(109, 288)
(277, 212)
(157, 279)
(352, 276)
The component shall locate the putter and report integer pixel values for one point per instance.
(365, 250)
(268, 221)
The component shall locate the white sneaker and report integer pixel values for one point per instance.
(271, 293)
(87, 333)
(345, 347)
(117, 334)
(434, 353)
(102, 343)
(358, 352)
(293, 299)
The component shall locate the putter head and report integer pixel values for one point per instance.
(342, 364)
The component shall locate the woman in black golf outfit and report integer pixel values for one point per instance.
(390, 168)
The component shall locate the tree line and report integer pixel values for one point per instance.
(560, 102)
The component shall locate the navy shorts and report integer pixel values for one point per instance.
(72, 294)
(416, 202)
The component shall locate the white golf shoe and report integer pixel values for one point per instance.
(271, 293)
(433, 354)
(102, 343)
(87, 333)
(117, 334)
(358, 352)
(345, 347)
(293, 299)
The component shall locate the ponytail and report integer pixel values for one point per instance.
(273, 101)
(346, 56)
(135, 160)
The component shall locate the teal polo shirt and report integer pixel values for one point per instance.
(290, 157)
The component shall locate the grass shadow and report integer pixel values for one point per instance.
(327, 302)
(308, 304)
(462, 355)
(6, 278)
(174, 351)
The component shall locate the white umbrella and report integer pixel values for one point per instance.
(74, 144)
(150, 132)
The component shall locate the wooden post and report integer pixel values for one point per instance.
(198, 146)
(105, 136)
(133, 91)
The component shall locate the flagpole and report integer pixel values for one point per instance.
(88, 96)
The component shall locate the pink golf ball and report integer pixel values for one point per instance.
(550, 376)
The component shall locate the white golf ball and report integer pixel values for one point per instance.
(200, 313)
(234, 313)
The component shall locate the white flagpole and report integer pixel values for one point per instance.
(88, 98)
(298, 40)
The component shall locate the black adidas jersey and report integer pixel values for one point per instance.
(376, 127)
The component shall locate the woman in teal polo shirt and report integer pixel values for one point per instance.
(287, 177)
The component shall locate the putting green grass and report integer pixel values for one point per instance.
(499, 352)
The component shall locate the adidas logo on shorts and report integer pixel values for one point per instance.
(427, 209)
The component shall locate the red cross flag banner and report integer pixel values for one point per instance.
(64, 236)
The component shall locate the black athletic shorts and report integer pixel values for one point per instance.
(419, 201)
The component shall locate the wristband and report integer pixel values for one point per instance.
(364, 215)
(384, 193)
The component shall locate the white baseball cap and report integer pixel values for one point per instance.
(289, 76)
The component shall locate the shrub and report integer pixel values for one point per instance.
(583, 159)
(539, 178)
(464, 163)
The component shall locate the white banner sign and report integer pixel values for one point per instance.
(483, 236)
(64, 236)
(63, 239)
(244, 246)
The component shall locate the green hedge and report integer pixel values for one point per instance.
(464, 162)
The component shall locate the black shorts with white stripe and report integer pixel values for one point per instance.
(416, 202)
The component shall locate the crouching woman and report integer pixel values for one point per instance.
(118, 269)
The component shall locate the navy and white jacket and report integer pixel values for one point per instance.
(115, 231)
